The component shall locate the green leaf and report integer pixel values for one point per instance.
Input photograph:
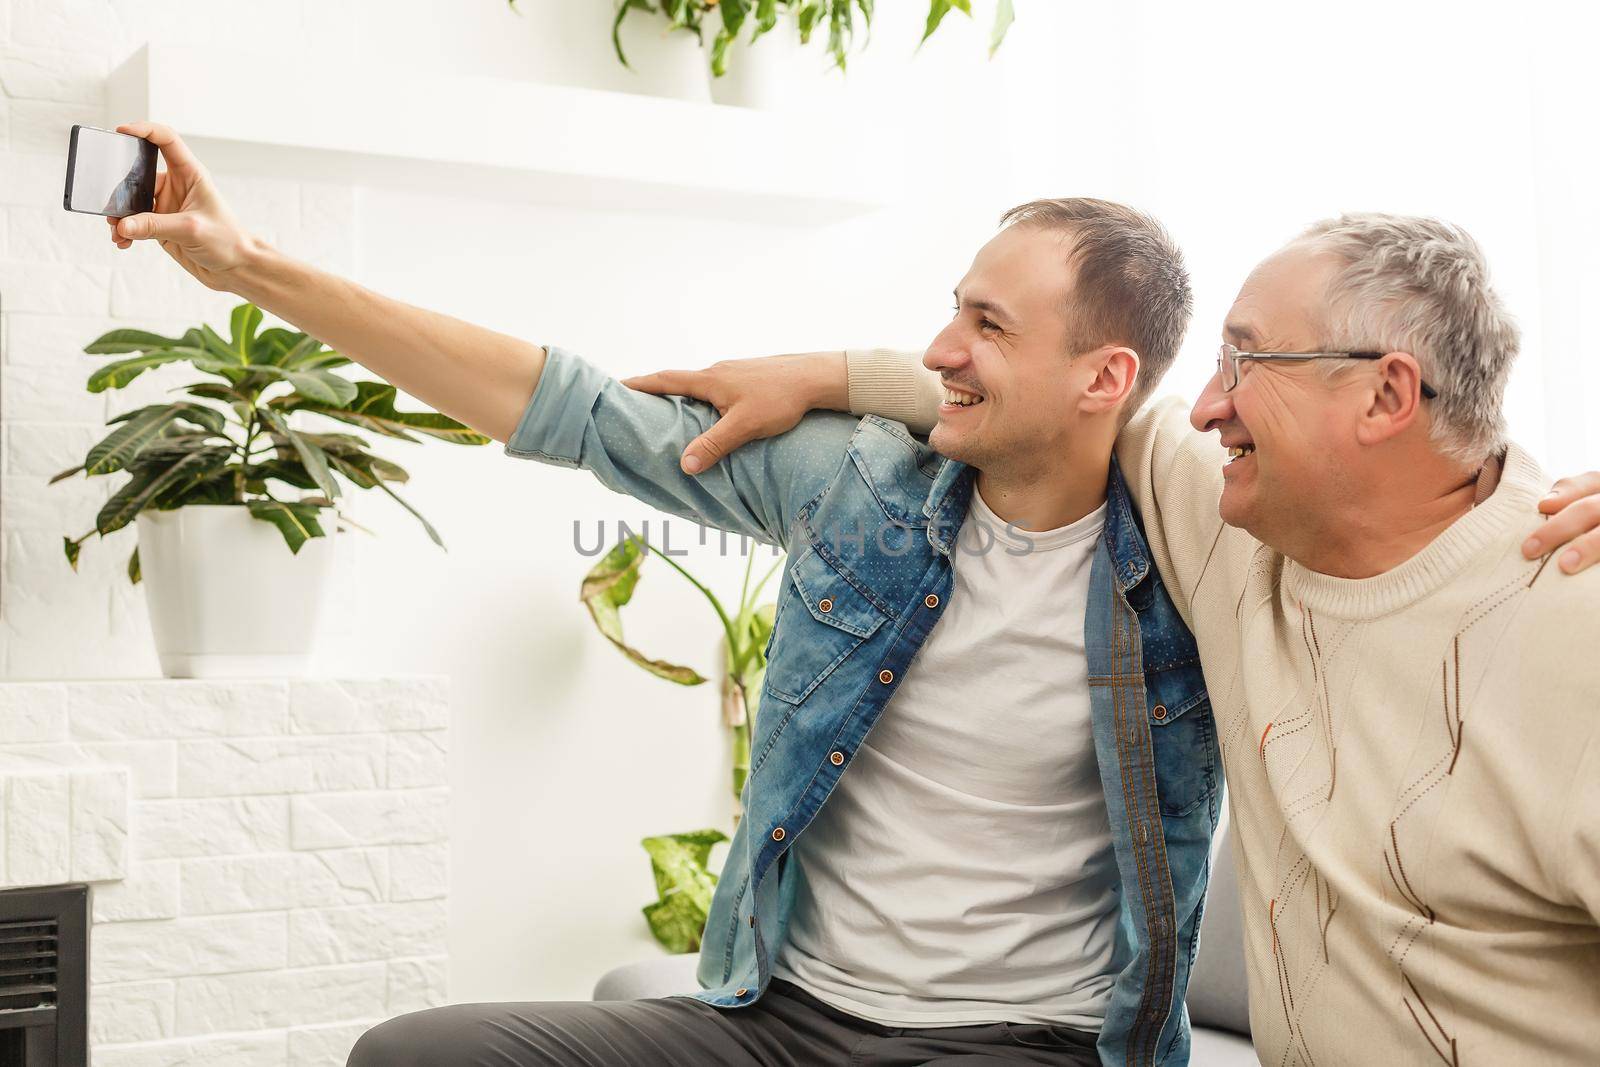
(760, 629)
(807, 16)
(69, 472)
(426, 525)
(292, 351)
(839, 32)
(297, 522)
(311, 455)
(373, 409)
(616, 27)
(119, 341)
(274, 342)
(734, 13)
(719, 53)
(213, 343)
(142, 426)
(684, 885)
(242, 323)
(149, 483)
(1004, 16)
(289, 471)
(344, 444)
(134, 574)
(220, 487)
(318, 386)
(118, 374)
(937, 10)
(607, 588)
(323, 360)
(213, 391)
(367, 471)
(170, 446)
(201, 358)
(72, 548)
(766, 17)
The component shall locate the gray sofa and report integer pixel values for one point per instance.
(1217, 1003)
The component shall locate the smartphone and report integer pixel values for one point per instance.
(109, 173)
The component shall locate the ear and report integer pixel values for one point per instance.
(1396, 400)
(1116, 369)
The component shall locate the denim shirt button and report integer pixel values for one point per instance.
(825, 605)
(931, 600)
(777, 834)
(741, 991)
(1160, 712)
(886, 676)
(837, 759)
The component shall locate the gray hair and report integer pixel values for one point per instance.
(1421, 286)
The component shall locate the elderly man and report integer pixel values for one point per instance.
(1406, 705)
(979, 813)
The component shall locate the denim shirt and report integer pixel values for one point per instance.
(869, 516)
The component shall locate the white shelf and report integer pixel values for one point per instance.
(502, 139)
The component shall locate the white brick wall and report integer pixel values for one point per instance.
(268, 858)
(62, 284)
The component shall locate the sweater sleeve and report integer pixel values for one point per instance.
(894, 384)
(1174, 475)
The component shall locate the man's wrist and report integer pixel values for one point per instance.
(260, 264)
(827, 382)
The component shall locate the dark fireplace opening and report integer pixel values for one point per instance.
(44, 976)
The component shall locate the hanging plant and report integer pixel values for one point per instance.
(729, 18)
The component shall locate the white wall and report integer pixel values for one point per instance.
(1235, 123)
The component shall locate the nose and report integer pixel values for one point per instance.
(947, 352)
(1213, 408)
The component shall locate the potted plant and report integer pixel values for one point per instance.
(215, 509)
(680, 862)
(762, 83)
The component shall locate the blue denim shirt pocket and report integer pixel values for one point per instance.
(823, 618)
(1182, 730)
(1182, 734)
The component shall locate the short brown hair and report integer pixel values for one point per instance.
(1131, 285)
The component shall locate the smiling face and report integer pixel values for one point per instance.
(1290, 428)
(1011, 386)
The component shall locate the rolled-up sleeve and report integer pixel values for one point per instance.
(579, 416)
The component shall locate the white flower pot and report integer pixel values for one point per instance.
(663, 61)
(227, 598)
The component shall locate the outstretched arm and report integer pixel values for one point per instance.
(475, 375)
(545, 404)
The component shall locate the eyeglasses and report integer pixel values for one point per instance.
(1229, 358)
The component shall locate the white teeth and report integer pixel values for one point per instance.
(963, 399)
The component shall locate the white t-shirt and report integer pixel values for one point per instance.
(962, 870)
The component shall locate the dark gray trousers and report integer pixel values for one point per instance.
(787, 1027)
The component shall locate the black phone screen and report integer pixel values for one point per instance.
(109, 173)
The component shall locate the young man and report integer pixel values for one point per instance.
(984, 780)
(1406, 703)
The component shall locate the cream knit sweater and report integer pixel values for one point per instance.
(1413, 763)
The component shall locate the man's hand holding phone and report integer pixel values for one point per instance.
(190, 219)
